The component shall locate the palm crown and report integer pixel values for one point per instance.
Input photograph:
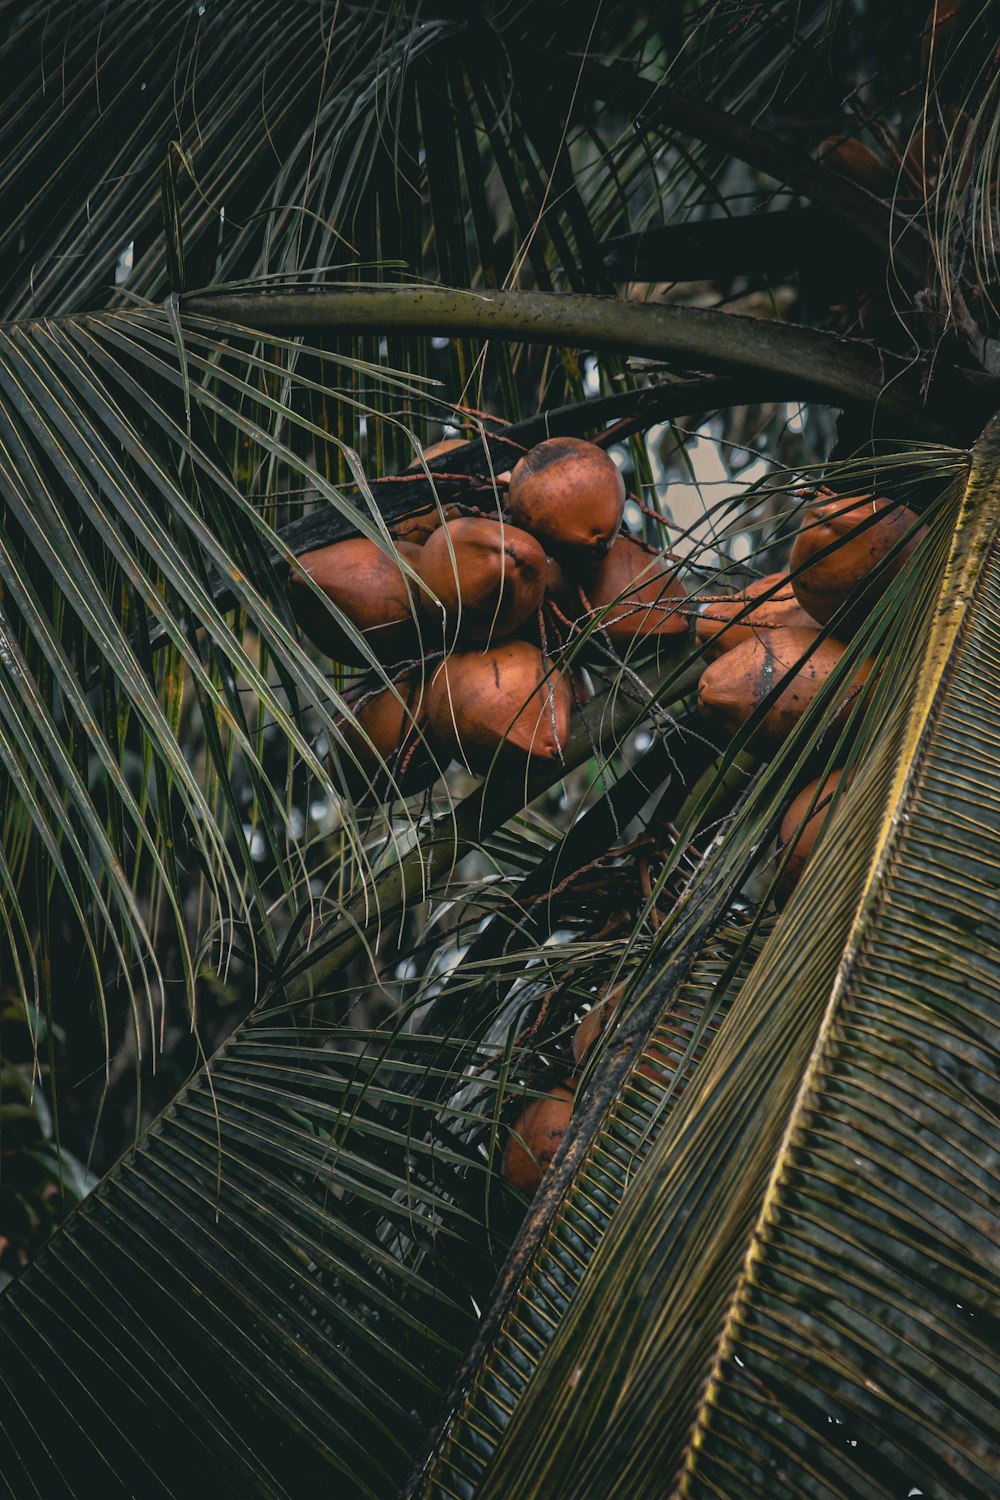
(255, 258)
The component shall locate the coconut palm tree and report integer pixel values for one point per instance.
(255, 258)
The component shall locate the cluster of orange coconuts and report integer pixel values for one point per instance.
(762, 638)
(459, 618)
(476, 672)
(846, 553)
(766, 637)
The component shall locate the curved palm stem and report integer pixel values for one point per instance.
(823, 366)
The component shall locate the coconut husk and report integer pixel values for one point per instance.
(629, 595)
(569, 494)
(595, 1022)
(418, 527)
(824, 586)
(805, 827)
(853, 159)
(392, 743)
(733, 687)
(436, 450)
(500, 701)
(536, 1136)
(488, 578)
(369, 587)
(715, 632)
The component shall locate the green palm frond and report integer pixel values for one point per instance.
(124, 508)
(542, 1279)
(335, 177)
(298, 1251)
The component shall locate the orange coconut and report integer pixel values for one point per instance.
(488, 578)
(632, 594)
(715, 633)
(939, 142)
(737, 682)
(595, 1021)
(569, 494)
(556, 582)
(657, 1065)
(437, 450)
(369, 587)
(390, 740)
(853, 159)
(416, 528)
(804, 826)
(939, 30)
(502, 699)
(556, 588)
(864, 531)
(536, 1136)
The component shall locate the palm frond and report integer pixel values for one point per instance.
(274, 1287)
(543, 1277)
(123, 508)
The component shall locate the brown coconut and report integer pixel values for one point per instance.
(536, 1136)
(418, 527)
(556, 582)
(446, 445)
(733, 686)
(804, 827)
(569, 494)
(501, 700)
(390, 740)
(822, 587)
(713, 628)
(369, 586)
(488, 577)
(556, 587)
(595, 1022)
(939, 142)
(632, 594)
(437, 450)
(853, 159)
(658, 1065)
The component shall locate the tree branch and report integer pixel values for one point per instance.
(776, 242)
(868, 217)
(822, 366)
